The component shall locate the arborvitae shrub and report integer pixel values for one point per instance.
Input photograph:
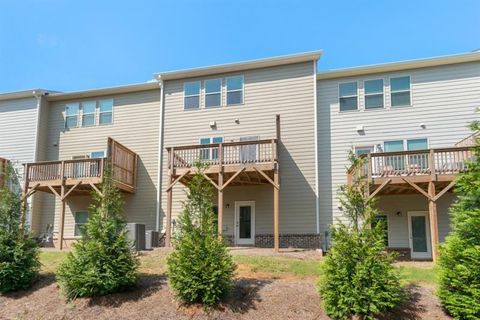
(459, 259)
(200, 269)
(19, 264)
(102, 261)
(358, 277)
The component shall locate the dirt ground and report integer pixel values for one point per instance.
(255, 296)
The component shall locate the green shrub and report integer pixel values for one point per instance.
(200, 269)
(19, 264)
(358, 278)
(459, 259)
(102, 262)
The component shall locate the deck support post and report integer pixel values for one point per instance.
(276, 193)
(168, 224)
(62, 199)
(220, 191)
(25, 197)
(432, 212)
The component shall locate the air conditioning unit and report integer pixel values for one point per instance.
(152, 239)
(136, 234)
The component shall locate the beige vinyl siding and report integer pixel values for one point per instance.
(135, 125)
(444, 99)
(286, 90)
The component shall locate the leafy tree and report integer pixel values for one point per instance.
(459, 259)
(19, 264)
(102, 262)
(200, 269)
(358, 277)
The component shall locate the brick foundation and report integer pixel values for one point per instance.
(307, 241)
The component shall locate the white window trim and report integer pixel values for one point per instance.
(405, 142)
(91, 152)
(205, 94)
(100, 112)
(193, 95)
(364, 147)
(365, 95)
(236, 90)
(75, 223)
(409, 90)
(358, 96)
(77, 115)
(88, 113)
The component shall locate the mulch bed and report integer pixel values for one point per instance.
(252, 298)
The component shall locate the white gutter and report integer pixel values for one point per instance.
(160, 156)
(317, 198)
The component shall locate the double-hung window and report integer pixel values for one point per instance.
(400, 91)
(191, 92)
(234, 90)
(213, 93)
(106, 111)
(210, 153)
(81, 219)
(71, 115)
(373, 94)
(88, 113)
(348, 96)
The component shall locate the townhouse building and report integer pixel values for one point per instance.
(274, 134)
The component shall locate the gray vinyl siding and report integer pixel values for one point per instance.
(135, 125)
(286, 90)
(444, 99)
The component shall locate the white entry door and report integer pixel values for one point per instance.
(419, 233)
(245, 222)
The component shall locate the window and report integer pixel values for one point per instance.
(88, 113)
(81, 219)
(412, 162)
(400, 91)
(210, 153)
(234, 90)
(71, 115)
(348, 96)
(363, 150)
(191, 92)
(417, 161)
(383, 219)
(106, 111)
(97, 154)
(373, 94)
(213, 93)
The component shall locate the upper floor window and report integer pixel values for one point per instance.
(88, 113)
(213, 93)
(106, 111)
(210, 153)
(234, 90)
(191, 92)
(373, 94)
(348, 96)
(71, 115)
(400, 91)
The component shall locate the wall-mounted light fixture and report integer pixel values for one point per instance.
(399, 213)
(423, 125)
(227, 205)
(237, 121)
(213, 124)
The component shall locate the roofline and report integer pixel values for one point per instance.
(103, 91)
(23, 94)
(239, 66)
(400, 65)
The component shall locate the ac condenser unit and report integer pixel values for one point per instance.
(136, 234)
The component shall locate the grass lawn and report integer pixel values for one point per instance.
(275, 267)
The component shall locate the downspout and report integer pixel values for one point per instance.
(317, 198)
(160, 156)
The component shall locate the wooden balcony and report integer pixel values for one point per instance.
(3, 167)
(84, 174)
(251, 157)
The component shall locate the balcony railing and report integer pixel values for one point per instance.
(228, 153)
(444, 161)
(68, 169)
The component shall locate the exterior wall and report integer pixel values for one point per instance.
(443, 98)
(135, 125)
(286, 90)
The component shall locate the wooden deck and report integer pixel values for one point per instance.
(430, 173)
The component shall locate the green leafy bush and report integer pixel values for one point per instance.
(102, 262)
(200, 269)
(19, 264)
(459, 259)
(358, 278)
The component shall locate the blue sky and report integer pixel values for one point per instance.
(75, 45)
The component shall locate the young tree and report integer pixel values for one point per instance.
(200, 269)
(19, 264)
(459, 259)
(358, 277)
(102, 262)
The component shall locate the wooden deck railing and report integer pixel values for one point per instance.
(228, 153)
(442, 161)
